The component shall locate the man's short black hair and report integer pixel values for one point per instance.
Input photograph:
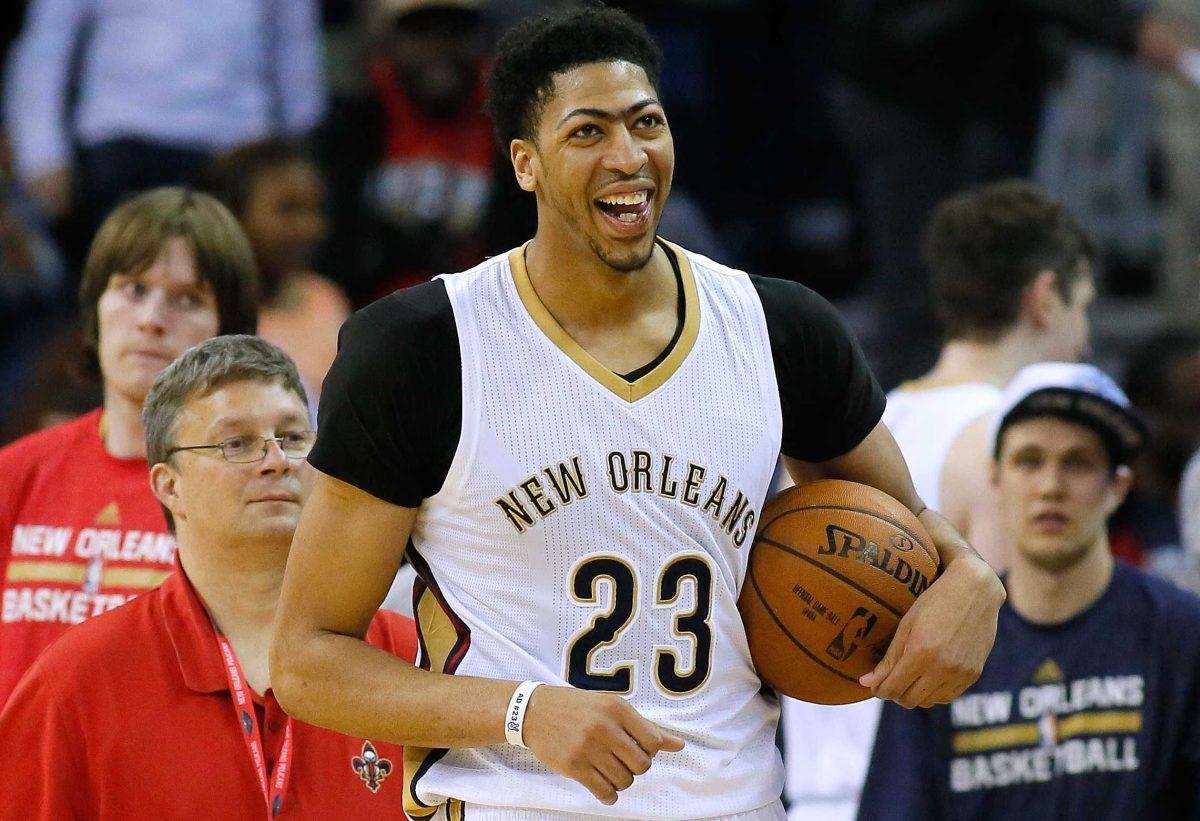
(534, 50)
(984, 246)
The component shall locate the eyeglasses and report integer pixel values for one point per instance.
(243, 449)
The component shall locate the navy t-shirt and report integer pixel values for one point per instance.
(1096, 718)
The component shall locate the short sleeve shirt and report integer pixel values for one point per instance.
(391, 406)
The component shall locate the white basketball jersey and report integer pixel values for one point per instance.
(595, 532)
(825, 782)
(925, 423)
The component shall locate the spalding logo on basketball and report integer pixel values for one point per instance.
(833, 568)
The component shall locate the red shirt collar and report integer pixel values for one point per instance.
(191, 631)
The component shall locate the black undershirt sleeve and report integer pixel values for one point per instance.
(680, 309)
(829, 397)
(391, 407)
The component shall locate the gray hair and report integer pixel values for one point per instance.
(202, 369)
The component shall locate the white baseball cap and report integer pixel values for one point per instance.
(1078, 393)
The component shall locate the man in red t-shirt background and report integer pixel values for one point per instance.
(80, 532)
(163, 708)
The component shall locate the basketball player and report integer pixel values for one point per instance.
(1012, 283)
(574, 440)
(80, 533)
(1089, 706)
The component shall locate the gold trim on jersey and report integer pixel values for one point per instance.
(629, 391)
(439, 637)
(142, 578)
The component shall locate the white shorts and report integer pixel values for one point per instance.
(476, 812)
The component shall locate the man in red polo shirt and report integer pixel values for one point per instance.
(162, 708)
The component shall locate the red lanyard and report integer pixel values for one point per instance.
(243, 708)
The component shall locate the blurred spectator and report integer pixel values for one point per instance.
(1188, 572)
(426, 194)
(1087, 706)
(1012, 283)
(80, 531)
(275, 190)
(934, 95)
(31, 280)
(103, 99)
(1097, 150)
(1163, 382)
(1179, 137)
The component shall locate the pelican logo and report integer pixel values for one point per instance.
(370, 767)
(855, 630)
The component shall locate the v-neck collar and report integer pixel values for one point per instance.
(614, 383)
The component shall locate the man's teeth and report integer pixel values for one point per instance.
(627, 217)
(636, 198)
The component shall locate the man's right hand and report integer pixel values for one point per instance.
(598, 739)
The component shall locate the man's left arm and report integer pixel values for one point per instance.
(942, 643)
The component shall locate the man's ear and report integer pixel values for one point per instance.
(525, 163)
(1118, 489)
(164, 483)
(1042, 301)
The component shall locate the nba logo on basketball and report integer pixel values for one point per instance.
(856, 629)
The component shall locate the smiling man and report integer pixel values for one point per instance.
(1089, 706)
(80, 533)
(574, 441)
(163, 708)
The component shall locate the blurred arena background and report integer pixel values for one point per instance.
(813, 137)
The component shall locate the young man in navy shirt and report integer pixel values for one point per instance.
(1089, 705)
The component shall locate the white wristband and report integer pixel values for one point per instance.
(514, 719)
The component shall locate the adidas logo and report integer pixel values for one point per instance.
(109, 515)
(1048, 672)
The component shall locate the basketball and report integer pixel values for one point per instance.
(833, 568)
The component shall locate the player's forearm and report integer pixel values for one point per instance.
(344, 684)
(878, 462)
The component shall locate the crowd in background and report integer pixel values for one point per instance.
(348, 137)
(815, 139)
